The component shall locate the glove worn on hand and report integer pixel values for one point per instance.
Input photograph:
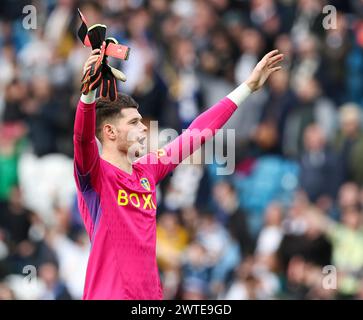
(101, 73)
(92, 78)
(109, 76)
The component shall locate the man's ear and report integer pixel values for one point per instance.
(109, 131)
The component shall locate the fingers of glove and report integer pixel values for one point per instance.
(104, 88)
(112, 89)
(95, 67)
(101, 88)
(93, 70)
(119, 75)
(86, 76)
(85, 88)
(108, 88)
(95, 81)
(91, 60)
(102, 51)
(96, 35)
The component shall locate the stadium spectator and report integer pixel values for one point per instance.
(349, 143)
(320, 173)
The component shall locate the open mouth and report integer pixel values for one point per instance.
(142, 140)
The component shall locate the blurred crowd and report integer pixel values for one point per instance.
(287, 224)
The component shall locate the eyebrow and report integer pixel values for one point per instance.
(136, 118)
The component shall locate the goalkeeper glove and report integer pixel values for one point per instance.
(109, 76)
(92, 78)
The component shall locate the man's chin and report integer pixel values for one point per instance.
(141, 151)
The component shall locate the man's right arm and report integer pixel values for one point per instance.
(85, 146)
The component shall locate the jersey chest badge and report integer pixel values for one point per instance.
(145, 183)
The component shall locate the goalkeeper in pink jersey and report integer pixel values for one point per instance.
(117, 197)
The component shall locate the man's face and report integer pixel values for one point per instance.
(314, 139)
(350, 127)
(130, 133)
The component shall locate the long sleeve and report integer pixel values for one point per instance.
(86, 154)
(204, 127)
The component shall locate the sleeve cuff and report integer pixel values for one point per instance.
(240, 94)
(88, 98)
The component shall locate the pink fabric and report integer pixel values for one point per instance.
(204, 127)
(119, 209)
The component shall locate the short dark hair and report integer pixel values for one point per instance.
(107, 110)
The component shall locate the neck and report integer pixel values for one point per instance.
(118, 159)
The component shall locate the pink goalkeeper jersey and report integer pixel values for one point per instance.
(119, 209)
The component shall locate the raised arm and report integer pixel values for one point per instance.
(85, 146)
(207, 124)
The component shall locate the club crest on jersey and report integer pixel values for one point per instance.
(145, 183)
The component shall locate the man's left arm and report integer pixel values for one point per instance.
(207, 124)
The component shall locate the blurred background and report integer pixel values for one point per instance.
(294, 202)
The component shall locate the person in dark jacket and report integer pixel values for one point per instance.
(320, 175)
(232, 216)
